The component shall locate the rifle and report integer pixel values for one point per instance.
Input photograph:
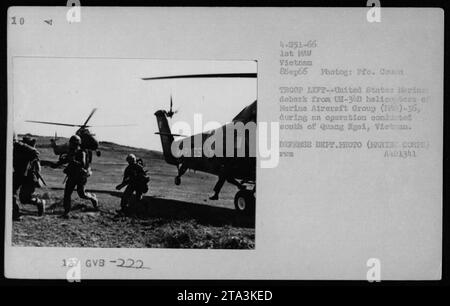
(123, 184)
(34, 169)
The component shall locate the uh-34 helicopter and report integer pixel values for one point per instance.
(226, 168)
(88, 140)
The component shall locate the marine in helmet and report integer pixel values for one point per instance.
(77, 171)
(136, 179)
(32, 180)
(23, 155)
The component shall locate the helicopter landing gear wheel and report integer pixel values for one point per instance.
(177, 180)
(244, 202)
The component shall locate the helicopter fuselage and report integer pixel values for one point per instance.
(88, 140)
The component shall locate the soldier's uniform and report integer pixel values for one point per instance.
(136, 179)
(23, 154)
(77, 171)
(31, 181)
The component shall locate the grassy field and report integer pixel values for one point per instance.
(169, 216)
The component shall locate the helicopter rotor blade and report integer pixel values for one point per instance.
(89, 117)
(196, 76)
(54, 123)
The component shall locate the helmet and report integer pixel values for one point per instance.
(131, 158)
(75, 139)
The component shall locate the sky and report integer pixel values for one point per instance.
(67, 89)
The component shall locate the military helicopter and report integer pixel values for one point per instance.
(88, 139)
(238, 168)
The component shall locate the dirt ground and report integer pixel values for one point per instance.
(169, 216)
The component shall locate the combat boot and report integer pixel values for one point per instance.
(41, 208)
(214, 197)
(65, 215)
(16, 215)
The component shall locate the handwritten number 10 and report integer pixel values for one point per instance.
(14, 20)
